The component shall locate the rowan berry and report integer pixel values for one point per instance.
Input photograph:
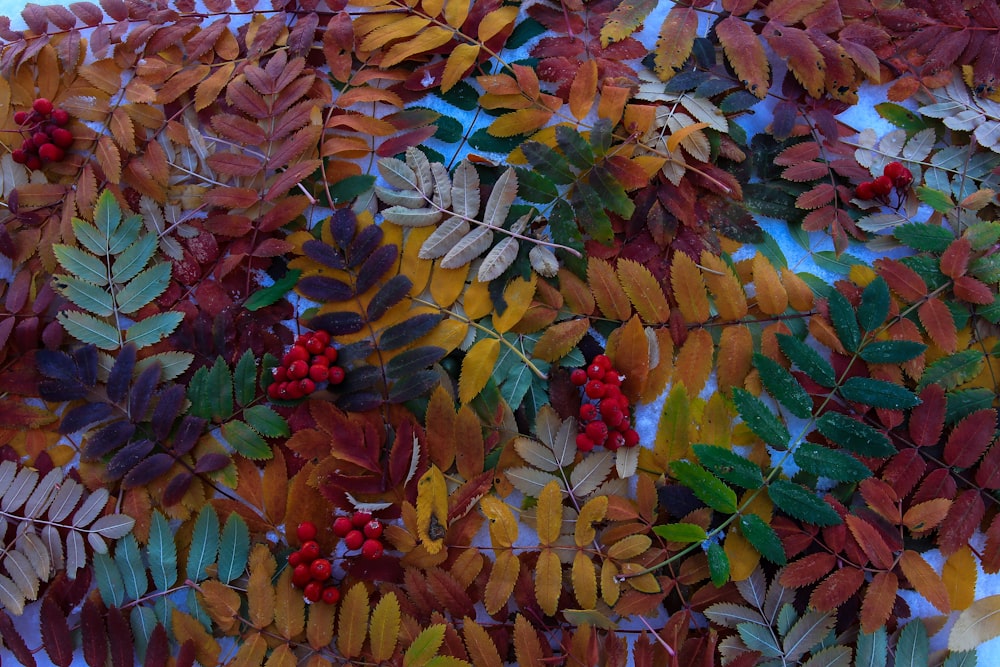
(280, 373)
(295, 559)
(631, 438)
(320, 569)
(299, 353)
(318, 373)
(336, 375)
(372, 549)
(18, 156)
(298, 370)
(330, 353)
(373, 529)
(307, 386)
(309, 551)
(42, 106)
(578, 377)
(331, 595)
(865, 190)
(320, 360)
(51, 153)
(602, 360)
(306, 531)
(614, 441)
(21, 117)
(40, 139)
(882, 186)
(354, 539)
(315, 345)
(359, 519)
(33, 162)
(595, 372)
(313, 591)
(594, 389)
(612, 378)
(584, 443)
(60, 117)
(300, 575)
(342, 526)
(597, 431)
(588, 411)
(62, 138)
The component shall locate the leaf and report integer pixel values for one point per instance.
(872, 649)
(234, 548)
(527, 647)
(807, 359)
(854, 435)
(590, 473)
(468, 248)
(676, 39)
(745, 53)
(352, 622)
(384, 632)
(831, 463)
(432, 510)
(706, 486)
(145, 287)
(607, 290)
(925, 580)
(162, 552)
(783, 387)
(560, 339)
(204, 544)
(874, 306)
(477, 368)
(806, 633)
(187, 628)
(729, 466)
(689, 289)
(482, 651)
(798, 502)
(878, 393)
(977, 624)
(90, 330)
(760, 420)
(912, 647)
(844, 321)
(498, 259)
(937, 320)
(952, 371)
(681, 532)
(763, 538)
(502, 579)
(548, 581)
(643, 291)
(153, 329)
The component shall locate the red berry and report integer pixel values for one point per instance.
(595, 372)
(302, 338)
(882, 186)
(21, 117)
(331, 595)
(612, 378)
(865, 191)
(319, 359)
(62, 138)
(28, 145)
(342, 526)
(578, 377)
(19, 156)
(901, 176)
(299, 352)
(594, 389)
(315, 345)
(583, 443)
(597, 432)
(310, 551)
(320, 569)
(40, 139)
(318, 373)
(298, 370)
(587, 412)
(42, 106)
(313, 591)
(51, 153)
(306, 531)
(373, 529)
(609, 408)
(322, 336)
(60, 117)
(372, 549)
(359, 519)
(307, 386)
(33, 162)
(292, 391)
(330, 353)
(336, 375)
(614, 441)
(631, 438)
(280, 373)
(603, 361)
(354, 540)
(295, 559)
(300, 575)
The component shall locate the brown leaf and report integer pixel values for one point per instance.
(482, 651)
(807, 570)
(109, 159)
(903, 280)
(694, 361)
(559, 339)
(805, 61)
(469, 445)
(440, 428)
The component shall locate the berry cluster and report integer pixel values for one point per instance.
(894, 175)
(309, 363)
(310, 572)
(360, 531)
(604, 414)
(45, 135)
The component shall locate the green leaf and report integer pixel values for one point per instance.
(937, 200)
(808, 360)
(534, 187)
(854, 435)
(87, 295)
(128, 264)
(891, 351)
(681, 532)
(107, 214)
(912, 647)
(350, 188)
(548, 163)
(144, 288)
(961, 659)
(129, 561)
(246, 441)
(983, 234)
(709, 489)
(953, 370)
(143, 622)
(729, 466)
(902, 118)
(611, 192)
(831, 261)
(873, 649)
(162, 552)
(874, 306)
(589, 210)
(878, 393)
(562, 224)
(924, 237)
(759, 638)
(425, 646)
(577, 151)
(266, 421)
(204, 544)
(844, 321)
(783, 386)
(234, 548)
(81, 264)
(272, 293)
(718, 564)
(760, 420)
(220, 386)
(986, 268)
(198, 394)
(109, 580)
(153, 329)
(826, 462)
(801, 503)
(172, 364)
(126, 234)
(245, 379)
(89, 237)
(763, 538)
(89, 330)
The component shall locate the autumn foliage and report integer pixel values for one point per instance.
(504, 277)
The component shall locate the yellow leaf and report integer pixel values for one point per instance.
(185, 627)
(400, 28)
(521, 121)
(549, 513)
(503, 525)
(447, 335)
(559, 339)
(592, 512)
(527, 648)
(455, 12)
(772, 298)
(385, 627)
(477, 301)
(260, 592)
(745, 53)
(467, 567)
(730, 300)
(583, 90)
(694, 362)
(432, 510)
(603, 281)
(675, 139)
(427, 40)
(643, 291)
(477, 368)
(800, 295)
(662, 373)
(432, 7)
(645, 582)
(447, 284)
(673, 433)
(482, 651)
(629, 547)
(496, 21)
(628, 349)
(319, 628)
(503, 576)
(410, 265)
(610, 588)
(735, 356)
(743, 558)
(283, 656)
(584, 580)
(925, 580)
(576, 293)
(959, 576)
(289, 607)
(222, 603)
(689, 289)
(675, 42)
(518, 296)
(253, 648)
(976, 625)
(352, 623)
(548, 581)
(462, 58)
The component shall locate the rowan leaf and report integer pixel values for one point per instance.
(643, 291)
(689, 289)
(607, 290)
(760, 420)
(710, 490)
(548, 581)
(925, 580)
(801, 503)
(352, 621)
(676, 39)
(503, 577)
(977, 624)
(477, 367)
(745, 54)
(432, 510)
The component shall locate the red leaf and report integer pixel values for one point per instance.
(120, 635)
(158, 649)
(962, 521)
(870, 541)
(94, 633)
(927, 419)
(882, 498)
(14, 642)
(55, 632)
(904, 470)
(797, 154)
(230, 197)
(837, 588)
(820, 195)
(991, 555)
(879, 600)
(973, 291)
(807, 570)
(970, 438)
(988, 473)
(937, 320)
(464, 498)
(903, 280)
(938, 484)
(955, 259)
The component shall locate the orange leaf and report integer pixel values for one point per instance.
(527, 648)
(823, 331)
(735, 356)
(724, 286)
(440, 428)
(260, 592)
(208, 90)
(548, 581)
(222, 603)
(578, 297)
(518, 296)
(694, 361)
(231, 197)
(745, 53)
(427, 40)
(496, 21)
(870, 541)
(971, 290)
(660, 374)
(583, 90)
(628, 349)
(879, 600)
(482, 651)
(522, 121)
(926, 515)
(837, 588)
(795, 47)
(187, 628)
(800, 295)
(959, 577)
(689, 289)
(109, 159)
(675, 42)
(937, 320)
(643, 291)
(902, 280)
(925, 580)
(503, 576)
(558, 340)
(955, 259)
(477, 368)
(807, 570)
(772, 298)
(469, 447)
(607, 290)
